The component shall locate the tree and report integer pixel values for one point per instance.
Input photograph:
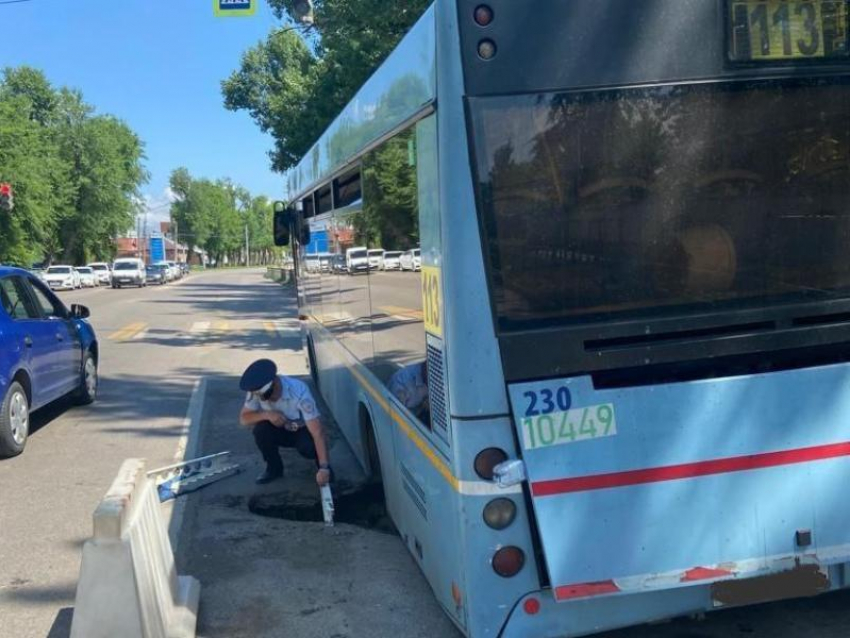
(29, 159)
(294, 91)
(107, 157)
(31, 83)
(189, 210)
(214, 215)
(75, 174)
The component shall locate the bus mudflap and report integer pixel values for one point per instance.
(738, 483)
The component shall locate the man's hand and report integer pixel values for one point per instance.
(323, 477)
(276, 419)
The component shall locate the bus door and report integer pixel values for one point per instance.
(711, 481)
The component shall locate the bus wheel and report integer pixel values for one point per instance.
(372, 455)
(311, 361)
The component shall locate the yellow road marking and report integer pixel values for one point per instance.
(220, 326)
(128, 332)
(404, 312)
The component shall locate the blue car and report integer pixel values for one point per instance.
(46, 352)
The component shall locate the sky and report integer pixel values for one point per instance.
(157, 65)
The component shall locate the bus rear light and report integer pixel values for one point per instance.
(508, 561)
(483, 15)
(486, 49)
(499, 513)
(531, 606)
(487, 460)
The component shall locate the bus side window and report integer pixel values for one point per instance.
(389, 228)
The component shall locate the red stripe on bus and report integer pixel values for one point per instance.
(585, 590)
(704, 573)
(689, 470)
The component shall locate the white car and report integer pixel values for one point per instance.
(101, 272)
(392, 260)
(376, 258)
(62, 278)
(176, 272)
(169, 271)
(357, 260)
(129, 272)
(87, 277)
(411, 260)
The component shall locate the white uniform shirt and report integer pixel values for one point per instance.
(296, 402)
(409, 386)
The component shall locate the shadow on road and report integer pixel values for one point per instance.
(62, 625)
(245, 300)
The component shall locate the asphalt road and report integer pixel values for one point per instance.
(155, 343)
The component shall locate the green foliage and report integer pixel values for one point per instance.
(29, 160)
(75, 174)
(390, 216)
(214, 215)
(294, 92)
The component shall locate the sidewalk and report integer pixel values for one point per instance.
(268, 577)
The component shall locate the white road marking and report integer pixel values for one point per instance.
(200, 326)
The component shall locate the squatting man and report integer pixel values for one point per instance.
(281, 412)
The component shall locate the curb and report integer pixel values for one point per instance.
(187, 448)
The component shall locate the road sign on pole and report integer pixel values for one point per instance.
(230, 8)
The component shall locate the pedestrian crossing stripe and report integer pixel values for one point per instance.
(200, 326)
(128, 332)
(207, 327)
(283, 329)
(409, 313)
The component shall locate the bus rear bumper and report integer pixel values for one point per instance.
(539, 615)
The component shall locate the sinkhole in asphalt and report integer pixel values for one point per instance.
(362, 505)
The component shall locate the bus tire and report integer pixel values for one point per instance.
(373, 457)
(311, 361)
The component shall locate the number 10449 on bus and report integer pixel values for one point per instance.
(571, 426)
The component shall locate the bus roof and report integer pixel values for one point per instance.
(404, 85)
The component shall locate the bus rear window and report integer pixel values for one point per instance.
(663, 200)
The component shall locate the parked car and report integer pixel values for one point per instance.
(411, 260)
(87, 277)
(169, 271)
(128, 272)
(376, 258)
(101, 272)
(156, 274)
(357, 260)
(325, 262)
(338, 264)
(46, 352)
(62, 278)
(392, 260)
(176, 272)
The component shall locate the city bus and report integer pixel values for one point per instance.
(618, 389)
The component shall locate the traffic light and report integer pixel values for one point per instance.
(6, 201)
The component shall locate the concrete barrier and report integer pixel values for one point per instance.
(129, 585)
(282, 275)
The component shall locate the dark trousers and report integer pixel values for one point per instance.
(269, 438)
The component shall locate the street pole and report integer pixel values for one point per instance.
(247, 253)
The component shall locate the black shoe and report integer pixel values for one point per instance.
(268, 476)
